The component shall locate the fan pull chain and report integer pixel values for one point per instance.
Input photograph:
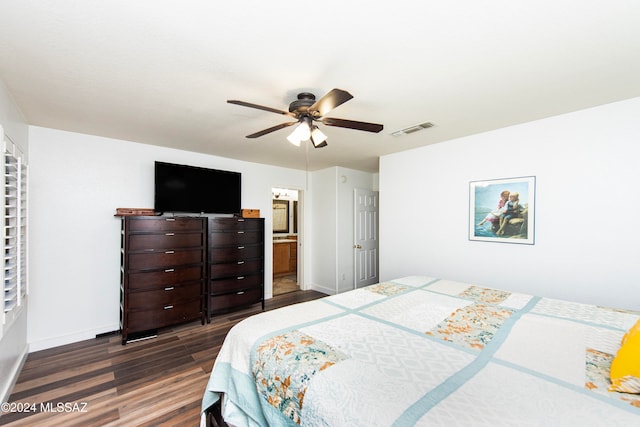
(306, 183)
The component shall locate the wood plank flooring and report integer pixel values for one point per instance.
(155, 382)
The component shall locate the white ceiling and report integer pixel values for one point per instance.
(160, 72)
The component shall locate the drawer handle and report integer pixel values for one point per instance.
(169, 288)
(240, 247)
(170, 270)
(169, 252)
(169, 234)
(240, 278)
(240, 293)
(170, 219)
(240, 220)
(240, 262)
(168, 307)
(240, 232)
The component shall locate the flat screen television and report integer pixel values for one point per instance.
(192, 189)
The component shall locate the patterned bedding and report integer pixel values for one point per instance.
(426, 352)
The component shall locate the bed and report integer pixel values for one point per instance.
(427, 352)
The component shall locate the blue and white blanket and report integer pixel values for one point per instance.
(425, 352)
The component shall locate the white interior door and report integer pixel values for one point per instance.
(365, 246)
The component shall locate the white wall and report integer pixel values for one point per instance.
(77, 182)
(13, 334)
(323, 202)
(333, 214)
(587, 240)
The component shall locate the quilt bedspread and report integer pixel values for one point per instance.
(426, 352)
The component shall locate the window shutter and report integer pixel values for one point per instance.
(14, 215)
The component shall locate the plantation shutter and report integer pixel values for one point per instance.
(14, 231)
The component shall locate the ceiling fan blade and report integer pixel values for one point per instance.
(331, 100)
(351, 124)
(260, 107)
(271, 129)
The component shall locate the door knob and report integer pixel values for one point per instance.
(357, 247)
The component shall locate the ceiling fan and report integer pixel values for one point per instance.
(307, 110)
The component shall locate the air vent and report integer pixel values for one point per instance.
(412, 129)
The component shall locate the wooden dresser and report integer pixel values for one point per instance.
(236, 263)
(163, 276)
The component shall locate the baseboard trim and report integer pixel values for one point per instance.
(70, 339)
(324, 290)
(15, 373)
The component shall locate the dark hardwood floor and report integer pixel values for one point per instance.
(99, 382)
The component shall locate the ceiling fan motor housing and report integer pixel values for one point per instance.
(304, 101)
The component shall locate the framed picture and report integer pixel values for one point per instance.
(503, 210)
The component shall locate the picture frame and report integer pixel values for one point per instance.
(494, 218)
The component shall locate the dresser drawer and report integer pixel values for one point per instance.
(235, 284)
(162, 278)
(235, 237)
(170, 314)
(225, 302)
(233, 224)
(236, 268)
(168, 240)
(165, 259)
(153, 224)
(162, 296)
(235, 253)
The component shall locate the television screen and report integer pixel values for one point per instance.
(183, 188)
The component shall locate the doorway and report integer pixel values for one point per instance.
(285, 240)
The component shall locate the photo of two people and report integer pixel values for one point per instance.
(502, 210)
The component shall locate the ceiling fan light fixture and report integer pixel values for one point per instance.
(318, 138)
(294, 138)
(300, 133)
(319, 144)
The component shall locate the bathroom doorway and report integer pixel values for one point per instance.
(286, 241)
